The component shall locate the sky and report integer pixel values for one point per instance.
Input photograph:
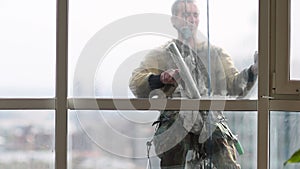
(238, 34)
(27, 48)
(27, 43)
(27, 66)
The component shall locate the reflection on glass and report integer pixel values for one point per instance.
(117, 139)
(284, 138)
(244, 125)
(110, 139)
(27, 48)
(27, 139)
(104, 70)
(295, 40)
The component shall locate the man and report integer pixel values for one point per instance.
(203, 132)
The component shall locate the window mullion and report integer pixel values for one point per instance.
(61, 117)
(160, 104)
(26, 103)
(263, 84)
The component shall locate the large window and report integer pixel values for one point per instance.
(87, 117)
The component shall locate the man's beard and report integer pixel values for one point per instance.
(186, 32)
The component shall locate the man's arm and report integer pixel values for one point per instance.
(238, 83)
(151, 74)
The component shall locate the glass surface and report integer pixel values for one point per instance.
(27, 139)
(295, 40)
(284, 138)
(106, 42)
(244, 125)
(117, 139)
(27, 67)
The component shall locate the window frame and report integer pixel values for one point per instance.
(271, 23)
(281, 74)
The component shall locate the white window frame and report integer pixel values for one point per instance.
(273, 15)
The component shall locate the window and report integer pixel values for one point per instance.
(284, 132)
(73, 128)
(104, 51)
(285, 76)
(27, 139)
(27, 49)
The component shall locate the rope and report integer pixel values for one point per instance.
(209, 81)
(208, 51)
(149, 144)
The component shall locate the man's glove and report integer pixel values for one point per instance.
(254, 67)
(170, 76)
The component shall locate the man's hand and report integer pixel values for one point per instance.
(170, 76)
(254, 67)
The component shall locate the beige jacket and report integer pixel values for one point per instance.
(225, 79)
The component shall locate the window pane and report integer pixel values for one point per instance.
(27, 48)
(295, 37)
(104, 50)
(27, 139)
(244, 125)
(117, 139)
(284, 138)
